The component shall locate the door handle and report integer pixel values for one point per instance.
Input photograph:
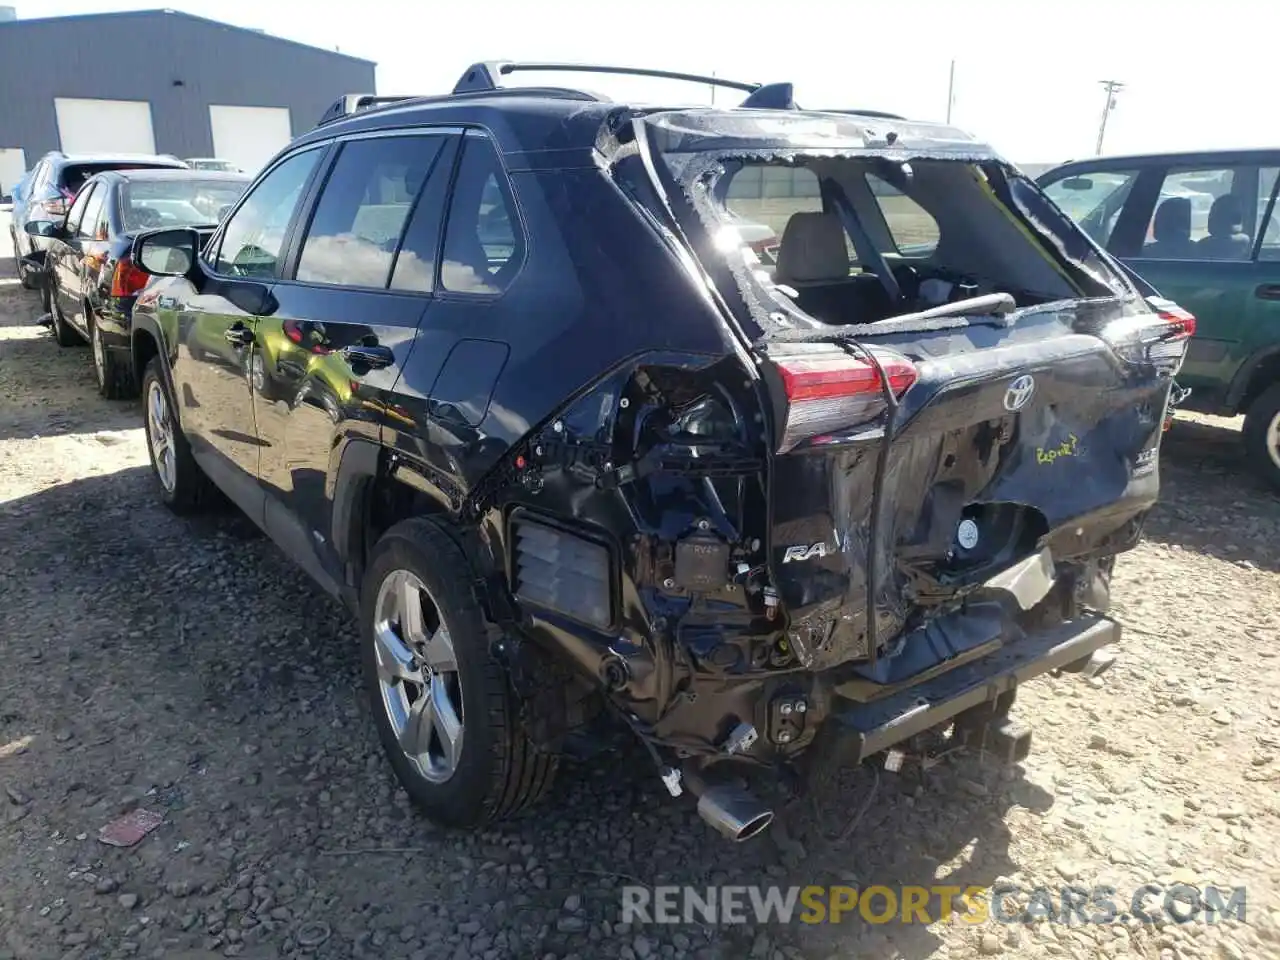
(370, 355)
(1268, 291)
(239, 335)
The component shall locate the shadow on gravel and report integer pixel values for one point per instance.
(37, 357)
(1211, 501)
(217, 684)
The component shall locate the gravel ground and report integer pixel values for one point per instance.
(187, 668)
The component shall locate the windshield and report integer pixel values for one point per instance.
(145, 204)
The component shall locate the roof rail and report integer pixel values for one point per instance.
(354, 103)
(488, 74)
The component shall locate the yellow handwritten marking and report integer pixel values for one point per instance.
(1068, 448)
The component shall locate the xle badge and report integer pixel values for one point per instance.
(1019, 392)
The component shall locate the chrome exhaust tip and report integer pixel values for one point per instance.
(734, 812)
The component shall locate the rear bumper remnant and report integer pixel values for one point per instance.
(864, 729)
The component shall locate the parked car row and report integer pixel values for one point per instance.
(77, 221)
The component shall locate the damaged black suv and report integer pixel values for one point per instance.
(776, 436)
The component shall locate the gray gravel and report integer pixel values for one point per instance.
(186, 667)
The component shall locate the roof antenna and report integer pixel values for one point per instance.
(771, 96)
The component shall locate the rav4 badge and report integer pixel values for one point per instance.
(804, 551)
(1019, 392)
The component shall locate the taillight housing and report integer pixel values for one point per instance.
(127, 280)
(828, 392)
(56, 206)
(1158, 337)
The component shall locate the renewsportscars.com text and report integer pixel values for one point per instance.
(1003, 903)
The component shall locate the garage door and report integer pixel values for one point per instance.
(249, 136)
(13, 164)
(104, 126)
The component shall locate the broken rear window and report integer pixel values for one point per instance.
(855, 239)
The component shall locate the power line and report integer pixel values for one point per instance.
(1112, 87)
(951, 89)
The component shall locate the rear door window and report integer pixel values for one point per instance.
(363, 208)
(1269, 224)
(1208, 213)
(88, 226)
(1093, 200)
(415, 264)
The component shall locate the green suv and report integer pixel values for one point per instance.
(1202, 229)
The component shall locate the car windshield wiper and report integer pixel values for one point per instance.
(948, 316)
(988, 304)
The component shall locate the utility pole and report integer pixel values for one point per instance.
(951, 90)
(1112, 87)
(713, 89)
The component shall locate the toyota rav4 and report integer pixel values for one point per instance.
(499, 370)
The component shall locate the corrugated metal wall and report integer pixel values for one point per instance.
(144, 56)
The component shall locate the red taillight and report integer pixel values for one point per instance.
(56, 207)
(833, 390)
(1158, 337)
(128, 280)
(1182, 322)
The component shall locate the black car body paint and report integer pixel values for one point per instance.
(623, 398)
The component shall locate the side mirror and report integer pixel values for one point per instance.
(166, 253)
(1077, 183)
(41, 228)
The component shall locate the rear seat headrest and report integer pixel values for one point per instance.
(812, 249)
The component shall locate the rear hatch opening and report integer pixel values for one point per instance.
(958, 380)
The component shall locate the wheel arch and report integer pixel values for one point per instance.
(145, 342)
(373, 489)
(1255, 375)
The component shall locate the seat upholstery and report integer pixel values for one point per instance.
(1227, 239)
(812, 250)
(814, 259)
(1172, 230)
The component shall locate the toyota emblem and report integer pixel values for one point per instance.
(1019, 392)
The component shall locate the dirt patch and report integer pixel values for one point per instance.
(186, 668)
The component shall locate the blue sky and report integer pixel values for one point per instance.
(1026, 72)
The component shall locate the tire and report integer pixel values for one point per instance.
(1262, 435)
(63, 333)
(496, 772)
(183, 487)
(115, 377)
(23, 276)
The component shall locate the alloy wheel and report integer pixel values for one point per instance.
(99, 353)
(160, 435)
(418, 676)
